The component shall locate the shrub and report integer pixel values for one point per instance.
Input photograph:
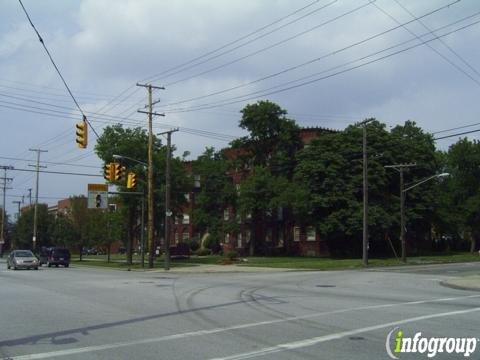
(203, 252)
(231, 255)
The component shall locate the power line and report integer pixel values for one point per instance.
(441, 41)
(255, 39)
(455, 128)
(309, 62)
(221, 47)
(458, 134)
(430, 46)
(48, 162)
(57, 172)
(265, 92)
(56, 67)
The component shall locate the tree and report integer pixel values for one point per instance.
(132, 143)
(79, 217)
(217, 193)
(23, 232)
(463, 164)
(62, 231)
(269, 152)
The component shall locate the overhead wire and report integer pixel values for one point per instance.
(56, 67)
(309, 62)
(266, 91)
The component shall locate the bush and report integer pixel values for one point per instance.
(203, 252)
(231, 255)
(194, 245)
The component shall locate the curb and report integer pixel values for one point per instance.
(452, 285)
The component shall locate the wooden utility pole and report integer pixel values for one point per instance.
(4, 211)
(150, 198)
(35, 213)
(365, 194)
(168, 212)
(400, 168)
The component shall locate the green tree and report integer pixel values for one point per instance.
(23, 233)
(463, 164)
(215, 195)
(132, 143)
(62, 231)
(79, 217)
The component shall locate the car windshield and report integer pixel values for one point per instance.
(23, 253)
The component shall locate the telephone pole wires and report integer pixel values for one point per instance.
(35, 213)
(150, 198)
(4, 211)
(168, 213)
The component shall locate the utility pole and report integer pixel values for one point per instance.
(365, 194)
(168, 213)
(12, 244)
(4, 211)
(30, 196)
(35, 213)
(400, 168)
(150, 198)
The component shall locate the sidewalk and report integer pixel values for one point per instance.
(207, 269)
(471, 282)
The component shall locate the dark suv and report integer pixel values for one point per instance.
(54, 256)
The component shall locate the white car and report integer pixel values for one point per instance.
(22, 259)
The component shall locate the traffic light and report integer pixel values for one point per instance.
(82, 134)
(108, 172)
(118, 172)
(131, 180)
(98, 201)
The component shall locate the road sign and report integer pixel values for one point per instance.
(97, 196)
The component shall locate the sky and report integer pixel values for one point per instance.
(329, 63)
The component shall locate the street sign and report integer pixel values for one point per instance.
(97, 196)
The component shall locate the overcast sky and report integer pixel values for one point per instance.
(223, 55)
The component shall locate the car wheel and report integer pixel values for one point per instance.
(67, 265)
(8, 266)
(36, 267)
(56, 265)
(14, 267)
(48, 264)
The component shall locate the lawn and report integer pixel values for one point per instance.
(299, 263)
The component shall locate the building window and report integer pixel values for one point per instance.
(311, 233)
(227, 238)
(185, 236)
(226, 215)
(268, 235)
(296, 233)
(247, 236)
(186, 219)
(176, 237)
(239, 240)
(280, 238)
(196, 181)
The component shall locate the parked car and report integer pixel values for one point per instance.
(55, 256)
(22, 259)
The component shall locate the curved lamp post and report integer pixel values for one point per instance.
(402, 210)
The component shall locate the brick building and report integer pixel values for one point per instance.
(281, 234)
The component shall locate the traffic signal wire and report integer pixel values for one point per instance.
(57, 69)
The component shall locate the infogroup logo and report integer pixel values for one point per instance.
(429, 346)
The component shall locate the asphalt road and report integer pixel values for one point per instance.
(85, 313)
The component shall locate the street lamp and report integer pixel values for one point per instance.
(120, 157)
(402, 209)
(142, 240)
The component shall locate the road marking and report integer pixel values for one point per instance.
(320, 339)
(87, 349)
